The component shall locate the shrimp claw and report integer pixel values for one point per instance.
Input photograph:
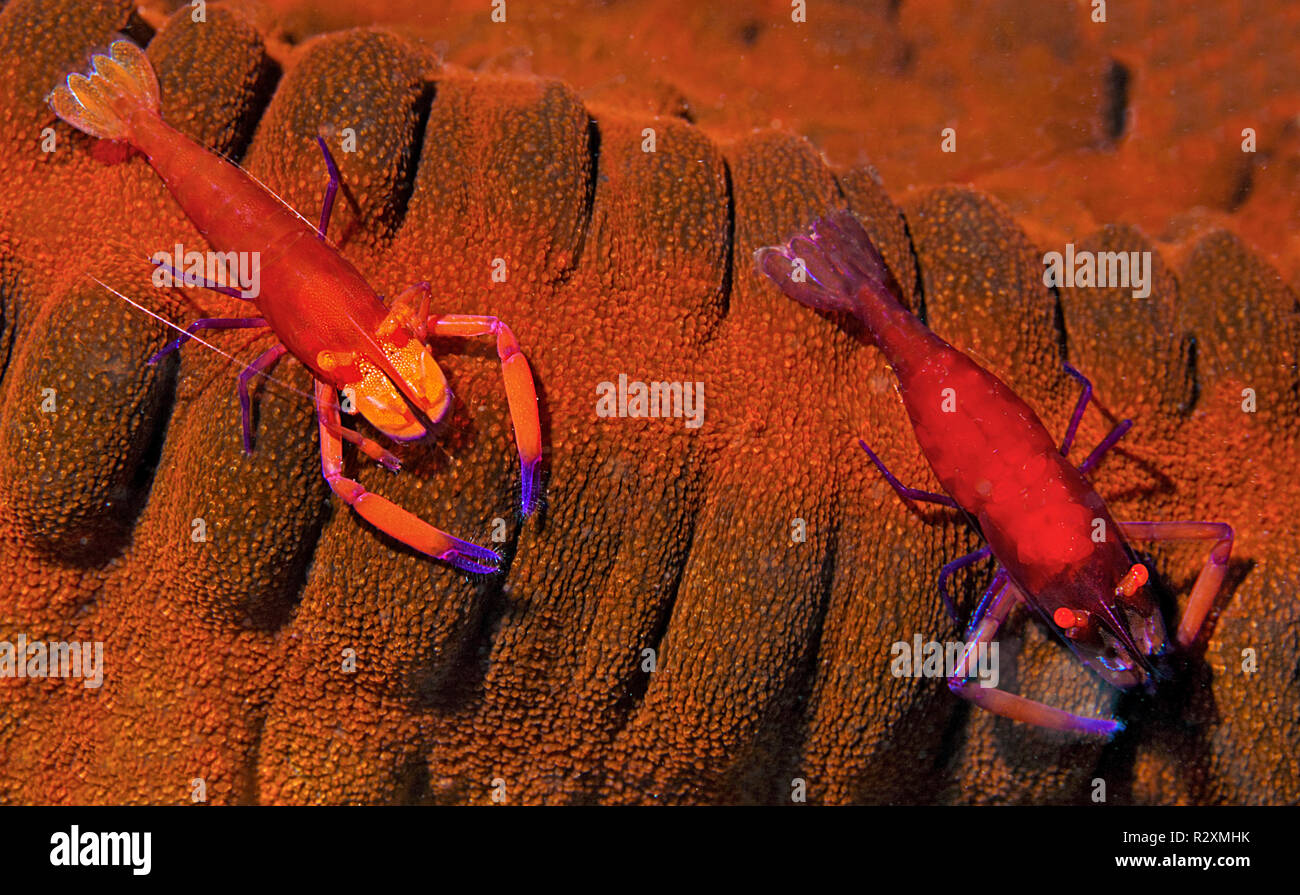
(1212, 573)
(963, 682)
(521, 394)
(382, 513)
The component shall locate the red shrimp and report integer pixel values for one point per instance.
(1056, 545)
(312, 298)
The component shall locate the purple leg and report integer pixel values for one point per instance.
(1207, 585)
(263, 362)
(197, 281)
(1106, 444)
(1079, 408)
(903, 491)
(946, 572)
(999, 581)
(1000, 599)
(206, 323)
(327, 208)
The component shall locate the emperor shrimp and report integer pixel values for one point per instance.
(314, 300)
(997, 463)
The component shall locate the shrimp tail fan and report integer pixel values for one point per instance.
(833, 267)
(102, 101)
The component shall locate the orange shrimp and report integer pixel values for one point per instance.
(1057, 547)
(315, 302)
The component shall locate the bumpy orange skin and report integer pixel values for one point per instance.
(225, 656)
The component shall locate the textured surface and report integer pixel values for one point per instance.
(1072, 123)
(224, 657)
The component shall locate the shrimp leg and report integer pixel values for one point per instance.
(1212, 573)
(415, 316)
(1120, 430)
(178, 277)
(965, 683)
(994, 588)
(903, 490)
(916, 494)
(327, 207)
(1075, 418)
(205, 323)
(263, 363)
(521, 394)
(946, 572)
(385, 515)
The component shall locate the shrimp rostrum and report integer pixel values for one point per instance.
(317, 304)
(1037, 511)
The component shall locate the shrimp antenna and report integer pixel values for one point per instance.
(161, 319)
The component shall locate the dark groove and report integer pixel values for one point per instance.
(907, 57)
(276, 612)
(640, 682)
(1058, 321)
(137, 30)
(254, 108)
(1115, 103)
(151, 456)
(416, 784)
(115, 529)
(843, 197)
(1193, 378)
(8, 318)
(588, 201)
(255, 756)
(729, 250)
(462, 681)
(922, 313)
(410, 169)
(593, 177)
(594, 138)
(1244, 186)
(636, 683)
(800, 685)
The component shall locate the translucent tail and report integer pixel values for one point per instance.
(829, 268)
(119, 84)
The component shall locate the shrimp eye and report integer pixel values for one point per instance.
(1073, 622)
(1134, 579)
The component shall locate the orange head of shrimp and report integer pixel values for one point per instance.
(1111, 619)
(388, 377)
